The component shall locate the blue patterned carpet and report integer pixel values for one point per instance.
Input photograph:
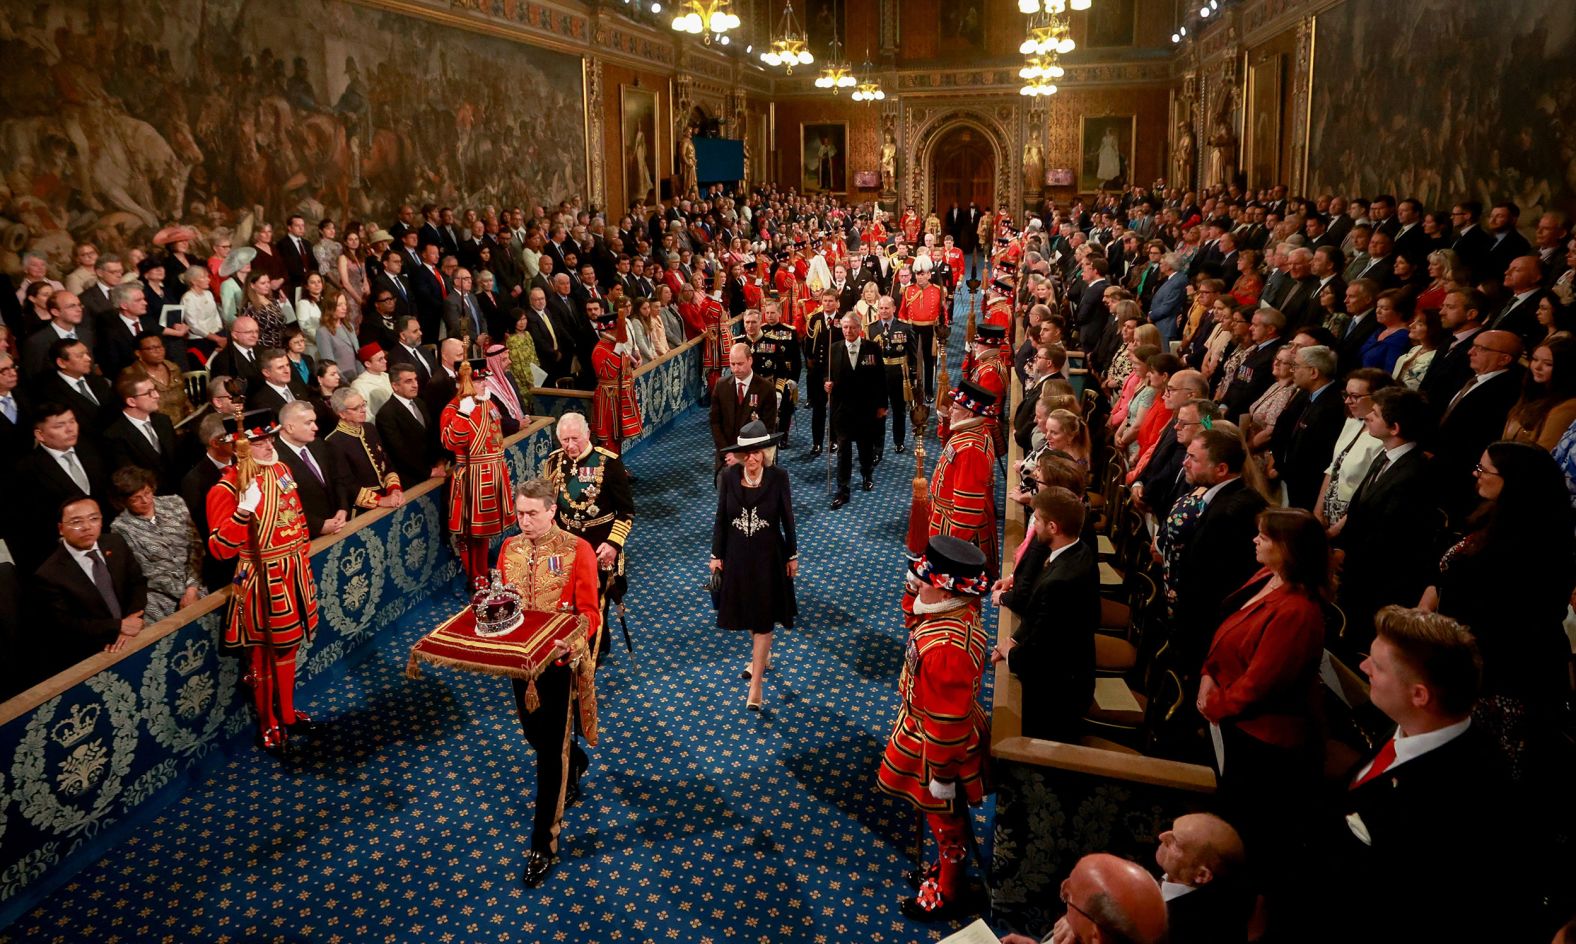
(408, 819)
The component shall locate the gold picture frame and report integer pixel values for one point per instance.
(640, 144)
(823, 157)
(1095, 151)
(1264, 135)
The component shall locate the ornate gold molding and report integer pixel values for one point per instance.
(926, 121)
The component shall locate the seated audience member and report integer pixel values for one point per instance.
(1354, 447)
(1510, 580)
(73, 382)
(1259, 692)
(277, 384)
(90, 592)
(142, 436)
(63, 466)
(218, 452)
(1107, 899)
(159, 531)
(407, 429)
(373, 381)
(373, 481)
(1262, 415)
(321, 482)
(1390, 338)
(1423, 674)
(1052, 652)
(1548, 395)
(1390, 525)
(1202, 863)
(1305, 434)
(239, 358)
(1474, 416)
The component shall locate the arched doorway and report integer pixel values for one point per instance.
(963, 169)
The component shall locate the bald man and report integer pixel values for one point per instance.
(1201, 858)
(1474, 416)
(1108, 899)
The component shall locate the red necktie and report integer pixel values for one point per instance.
(1382, 762)
(443, 288)
(741, 393)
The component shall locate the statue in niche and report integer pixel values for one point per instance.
(1182, 156)
(1223, 141)
(888, 161)
(687, 173)
(1033, 163)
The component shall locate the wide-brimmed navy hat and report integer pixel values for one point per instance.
(974, 398)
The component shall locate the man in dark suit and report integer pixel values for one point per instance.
(1363, 324)
(1523, 280)
(1505, 241)
(394, 280)
(405, 427)
(196, 484)
(117, 331)
(96, 300)
(1305, 434)
(66, 322)
(1255, 374)
(407, 349)
(856, 388)
(1300, 302)
(427, 234)
(142, 436)
(16, 423)
(90, 591)
(1391, 523)
(320, 482)
(1471, 242)
(429, 290)
(552, 338)
(1461, 313)
(239, 357)
(64, 465)
(1474, 417)
(1410, 240)
(74, 384)
(278, 382)
(1208, 900)
(462, 316)
(1093, 318)
(295, 254)
(1220, 556)
(445, 380)
(1423, 675)
(738, 399)
(1381, 261)
(1052, 652)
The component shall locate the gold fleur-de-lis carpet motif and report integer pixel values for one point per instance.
(407, 816)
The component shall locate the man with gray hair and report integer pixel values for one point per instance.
(320, 481)
(594, 502)
(1305, 434)
(1170, 300)
(1300, 302)
(35, 268)
(116, 348)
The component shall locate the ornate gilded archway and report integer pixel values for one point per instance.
(928, 125)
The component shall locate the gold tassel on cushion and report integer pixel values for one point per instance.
(531, 701)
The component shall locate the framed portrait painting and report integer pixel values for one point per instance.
(638, 120)
(1105, 151)
(1111, 23)
(1264, 111)
(823, 157)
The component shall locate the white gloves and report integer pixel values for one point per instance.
(251, 498)
(943, 790)
(467, 405)
(621, 347)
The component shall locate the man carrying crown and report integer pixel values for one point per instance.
(935, 756)
(256, 516)
(554, 572)
(962, 487)
(480, 502)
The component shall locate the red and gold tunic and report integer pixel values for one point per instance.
(613, 418)
(954, 257)
(941, 732)
(989, 371)
(909, 224)
(962, 488)
(920, 306)
(714, 319)
(275, 598)
(481, 500)
(554, 574)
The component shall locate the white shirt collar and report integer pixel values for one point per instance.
(1171, 891)
(65, 333)
(1411, 748)
(1057, 552)
(82, 557)
(1391, 455)
(281, 389)
(1485, 378)
(59, 454)
(1523, 296)
(409, 404)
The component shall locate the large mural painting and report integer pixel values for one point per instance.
(121, 118)
(1446, 101)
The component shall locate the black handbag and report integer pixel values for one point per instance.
(714, 587)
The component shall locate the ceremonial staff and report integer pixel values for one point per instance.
(625, 376)
(466, 387)
(245, 475)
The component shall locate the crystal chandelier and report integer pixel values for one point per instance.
(790, 46)
(1049, 36)
(1032, 7)
(835, 74)
(869, 89)
(706, 18)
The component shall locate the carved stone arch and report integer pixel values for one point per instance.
(927, 131)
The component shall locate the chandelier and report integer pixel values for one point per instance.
(1032, 7)
(835, 75)
(790, 47)
(869, 89)
(706, 18)
(1050, 36)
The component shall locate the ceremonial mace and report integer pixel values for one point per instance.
(625, 375)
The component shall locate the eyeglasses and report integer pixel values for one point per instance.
(1479, 470)
(1353, 397)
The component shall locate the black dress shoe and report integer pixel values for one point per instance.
(815, 451)
(899, 448)
(538, 865)
(867, 485)
(840, 500)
